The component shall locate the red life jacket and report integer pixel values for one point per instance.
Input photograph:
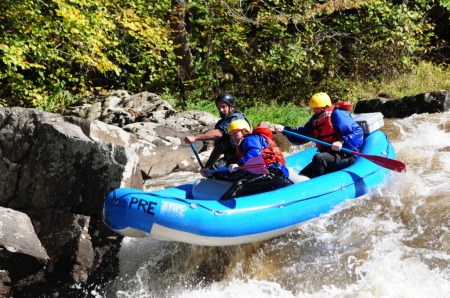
(272, 153)
(323, 128)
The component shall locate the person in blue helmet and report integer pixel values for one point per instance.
(333, 124)
(224, 152)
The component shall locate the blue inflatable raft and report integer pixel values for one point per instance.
(192, 213)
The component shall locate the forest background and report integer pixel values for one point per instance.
(271, 55)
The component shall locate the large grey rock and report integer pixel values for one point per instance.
(71, 252)
(21, 252)
(5, 283)
(119, 107)
(430, 102)
(58, 171)
(192, 121)
(156, 130)
(59, 163)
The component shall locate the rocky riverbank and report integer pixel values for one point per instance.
(57, 169)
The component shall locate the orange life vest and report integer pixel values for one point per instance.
(272, 153)
(323, 128)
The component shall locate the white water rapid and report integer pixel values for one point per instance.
(394, 242)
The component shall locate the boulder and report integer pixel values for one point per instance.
(157, 129)
(58, 171)
(21, 252)
(161, 150)
(59, 163)
(430, 102)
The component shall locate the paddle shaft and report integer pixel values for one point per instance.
(317, 141)
(196, 155)
(385, 162)
(238, 168)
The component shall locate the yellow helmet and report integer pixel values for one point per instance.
(319, 100)
(238, 124)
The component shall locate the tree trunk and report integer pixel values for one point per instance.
(181, 43)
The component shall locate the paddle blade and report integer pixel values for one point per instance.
(255, 165)
(388, 163)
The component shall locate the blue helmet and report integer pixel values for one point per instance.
(226, 97)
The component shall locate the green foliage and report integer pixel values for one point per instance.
(287, 114)
(444, 3)
(203, 105)
(55, 52)
(84, 46)
(55, 103)
(425, 78)
(284, 51)
(396, 35)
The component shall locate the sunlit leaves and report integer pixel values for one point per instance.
(51, 46)
(266, 50)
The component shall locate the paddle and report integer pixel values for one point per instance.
(382, 161)
(254, 165)
(196, 155)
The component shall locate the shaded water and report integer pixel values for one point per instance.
(394, 242)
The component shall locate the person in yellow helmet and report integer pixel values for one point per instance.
(333, 124)
(224, 151)
(250, 145)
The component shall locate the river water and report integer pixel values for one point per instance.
(394, 242)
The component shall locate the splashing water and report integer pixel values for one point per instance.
(393, 242)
